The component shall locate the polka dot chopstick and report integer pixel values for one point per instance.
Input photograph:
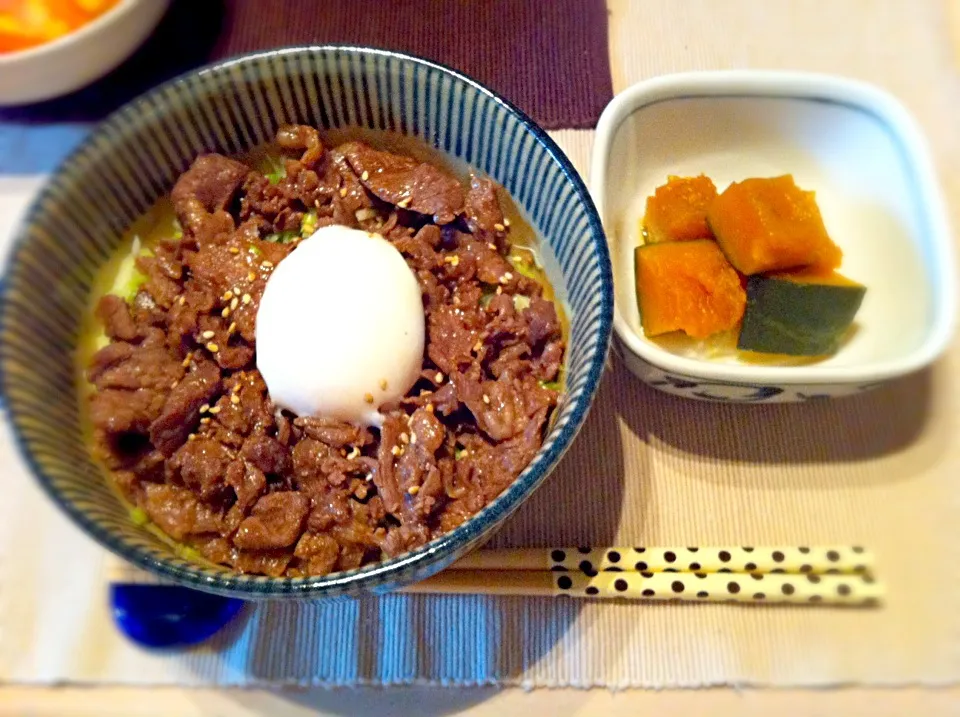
(823, 575)
(817, 560)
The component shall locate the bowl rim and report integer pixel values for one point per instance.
(123, 7)
(810, 86)
(412, 565)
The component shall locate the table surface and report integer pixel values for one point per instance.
(936, 22)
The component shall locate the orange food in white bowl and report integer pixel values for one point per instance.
(29, 23)
(49, 48)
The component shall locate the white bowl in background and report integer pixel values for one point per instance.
(80, 57)
(867, 160)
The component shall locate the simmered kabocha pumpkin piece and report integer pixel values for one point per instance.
(770, 224)
(677, 211)
(806, 313)
(687, 286)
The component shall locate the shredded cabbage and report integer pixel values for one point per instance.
(129, 279)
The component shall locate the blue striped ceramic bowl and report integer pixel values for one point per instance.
(133, 158)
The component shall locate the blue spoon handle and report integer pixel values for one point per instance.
(169, 615)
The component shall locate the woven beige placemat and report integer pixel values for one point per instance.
(881, 470)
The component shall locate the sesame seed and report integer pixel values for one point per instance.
(235, 399)
(232, 327)
(204, 408)
(234, 303)
(499, 227)
(404, 203)
(212, 347)
(236, 291)
(192, 437)
(354, 453)
(215, 410)
(429, 408)
(187, 359)
(208, 334)
(477, 347)
(439, 377)
(413, 438)
(413, 490)
(395, 450)
(499, 290)
(452, 260)
(365, 176)
(506, 221)
(266, 264)
(227, 295)
(368, 397)
(247, 299)
(492, 246)
(383, 384)
(182, 300)
(174, 384)
(234, 250)
(507, 276)
(486, 398)
(251, 276)
(226, 312)
(343, 192)
(404, 438)
(205, 420)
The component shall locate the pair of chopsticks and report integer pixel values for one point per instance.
(830, 575)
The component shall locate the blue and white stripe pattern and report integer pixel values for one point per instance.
(134, 157)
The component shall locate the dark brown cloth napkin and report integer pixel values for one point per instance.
(549, 57)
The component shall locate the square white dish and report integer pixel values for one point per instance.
(853, 144)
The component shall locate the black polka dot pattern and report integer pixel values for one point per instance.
(811, 575)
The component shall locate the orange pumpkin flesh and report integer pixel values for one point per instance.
(677, 211)
(687, 286)
(766, 225)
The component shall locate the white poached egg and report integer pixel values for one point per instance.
(340, 328)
